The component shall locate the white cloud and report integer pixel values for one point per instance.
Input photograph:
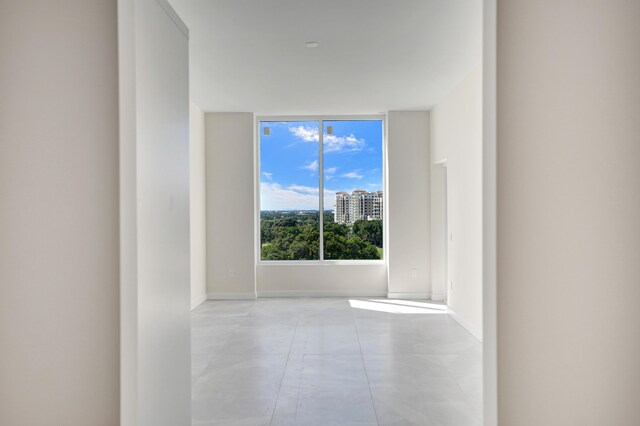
(268, 175)
(304, 189)
(332, 143)
(352, 175)
(274, 196)
(313, 166)
(307, 134)
(328, 173)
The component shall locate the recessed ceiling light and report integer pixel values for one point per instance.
(312, 44)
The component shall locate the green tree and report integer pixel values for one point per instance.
(369, 230)
(360, 249)
(295, 236)
(337, 247)
(337, 229)
(305, 245)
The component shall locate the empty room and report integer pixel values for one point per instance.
(305, 212)
(336, 212)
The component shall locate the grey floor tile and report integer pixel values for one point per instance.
(329, 338)
(333, 389)
(446, 414)
(238, 388)
(263, 339)
(333, 362)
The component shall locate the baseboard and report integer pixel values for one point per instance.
(198, 302)
(466, 324)
(421, 296)
(312, 293)
(231, 296)
(437, 297)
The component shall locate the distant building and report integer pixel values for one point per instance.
(359, 205)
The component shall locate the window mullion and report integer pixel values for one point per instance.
(321, 186)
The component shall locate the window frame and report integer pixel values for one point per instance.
(256, 187)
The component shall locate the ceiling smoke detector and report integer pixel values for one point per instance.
(312, 44)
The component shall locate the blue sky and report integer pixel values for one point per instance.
(289, 160)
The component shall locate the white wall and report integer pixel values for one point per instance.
(438, 237)
(154, 158)
(456, 137)
(322, 280)
(59, 310)
(408, 216)
(231, 239)
(230, 205)
(489, 219)
(568, 212)
(197, 176)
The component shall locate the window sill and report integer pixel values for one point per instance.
(321, 262)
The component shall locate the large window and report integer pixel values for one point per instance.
(341, 159)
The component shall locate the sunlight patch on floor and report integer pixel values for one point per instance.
(398, 306)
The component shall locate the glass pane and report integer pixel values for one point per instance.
(353, 197)
(289, 191)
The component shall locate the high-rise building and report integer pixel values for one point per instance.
(378, 205)
(359, 205)
(342, 210)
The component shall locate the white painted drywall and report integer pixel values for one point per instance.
(59, 310)
(230, 205)
(154, 160)
(568, 212)
(198, 224)
(408, 209)
(456, 137)
(322, 280)
(231, 237)
(401, 54)
(489, 219)
(438, 237)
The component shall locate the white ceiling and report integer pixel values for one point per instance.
(374, 55)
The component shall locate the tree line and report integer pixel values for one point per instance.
(296, 236)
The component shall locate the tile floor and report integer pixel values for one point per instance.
(333, 361)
